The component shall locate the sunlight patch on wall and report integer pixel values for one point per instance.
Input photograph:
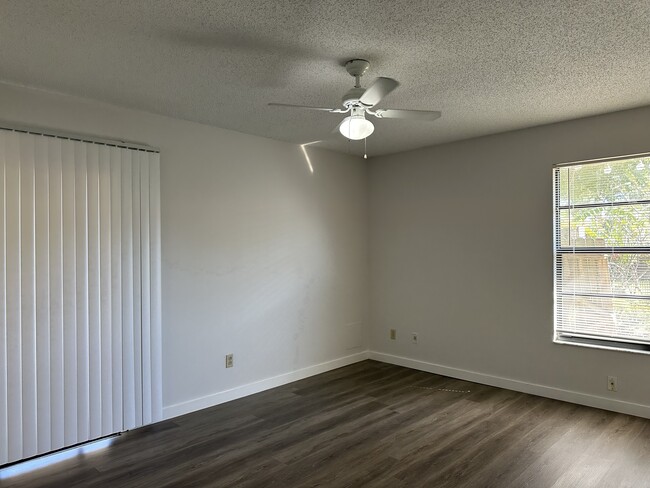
(304, 151)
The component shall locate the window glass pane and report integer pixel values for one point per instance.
(613, 274)
(563, 187)
(617, 318)
(606, 182)
(622, 226)
(565, 237)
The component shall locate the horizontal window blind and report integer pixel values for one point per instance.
(80, 345)
(602, 252)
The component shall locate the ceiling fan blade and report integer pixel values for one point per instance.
(378, 90)
(306, 107)
(389, 113)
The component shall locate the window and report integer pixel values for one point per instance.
(602, 253)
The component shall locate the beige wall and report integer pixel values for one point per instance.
(461, 253)
(261, 258)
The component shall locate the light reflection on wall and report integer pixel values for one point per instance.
(304, 151)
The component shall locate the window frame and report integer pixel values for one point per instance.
(584, 340)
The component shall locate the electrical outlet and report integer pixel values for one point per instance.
(229, 360)
(611, 383)
(393, 334)
(414, 338)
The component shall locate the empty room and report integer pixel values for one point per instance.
(324, 243)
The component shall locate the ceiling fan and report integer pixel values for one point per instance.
(360, 101)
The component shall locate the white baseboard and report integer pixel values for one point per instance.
(258, 386)
(546, 391)
(534, 389)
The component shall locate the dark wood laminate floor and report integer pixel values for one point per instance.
(373, 425)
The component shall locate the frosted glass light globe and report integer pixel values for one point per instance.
(356, 127)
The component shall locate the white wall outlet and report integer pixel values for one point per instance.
(414, 337)
(393, 334)
(611, 383)
(229, 360)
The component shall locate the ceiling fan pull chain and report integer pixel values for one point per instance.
(365, 148)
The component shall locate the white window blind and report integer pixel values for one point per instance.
(80, 345)
(602, 253)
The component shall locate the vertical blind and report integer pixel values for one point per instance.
(602, 253)
(80, 344)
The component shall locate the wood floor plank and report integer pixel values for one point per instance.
(371, 425)
(514, 457)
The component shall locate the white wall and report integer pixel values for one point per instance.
(461, 253)
(261, 257)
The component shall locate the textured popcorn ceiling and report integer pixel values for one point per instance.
(488, 65)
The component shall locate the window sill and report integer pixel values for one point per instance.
(579, 343)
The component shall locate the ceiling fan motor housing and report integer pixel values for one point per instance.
(352, 96)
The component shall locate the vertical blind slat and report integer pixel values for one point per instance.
(57, 407)
(13, 280)
(137, 288)
(28, 295)
(156, 284)
(69, 294)
(81, 254)
(4, 446)
(43, 340)
(94, 331)
(57, 395)
(116, 287)
(146, 288)
(128, 367)
(105, 292)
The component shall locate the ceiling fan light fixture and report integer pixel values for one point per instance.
(356, 127)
